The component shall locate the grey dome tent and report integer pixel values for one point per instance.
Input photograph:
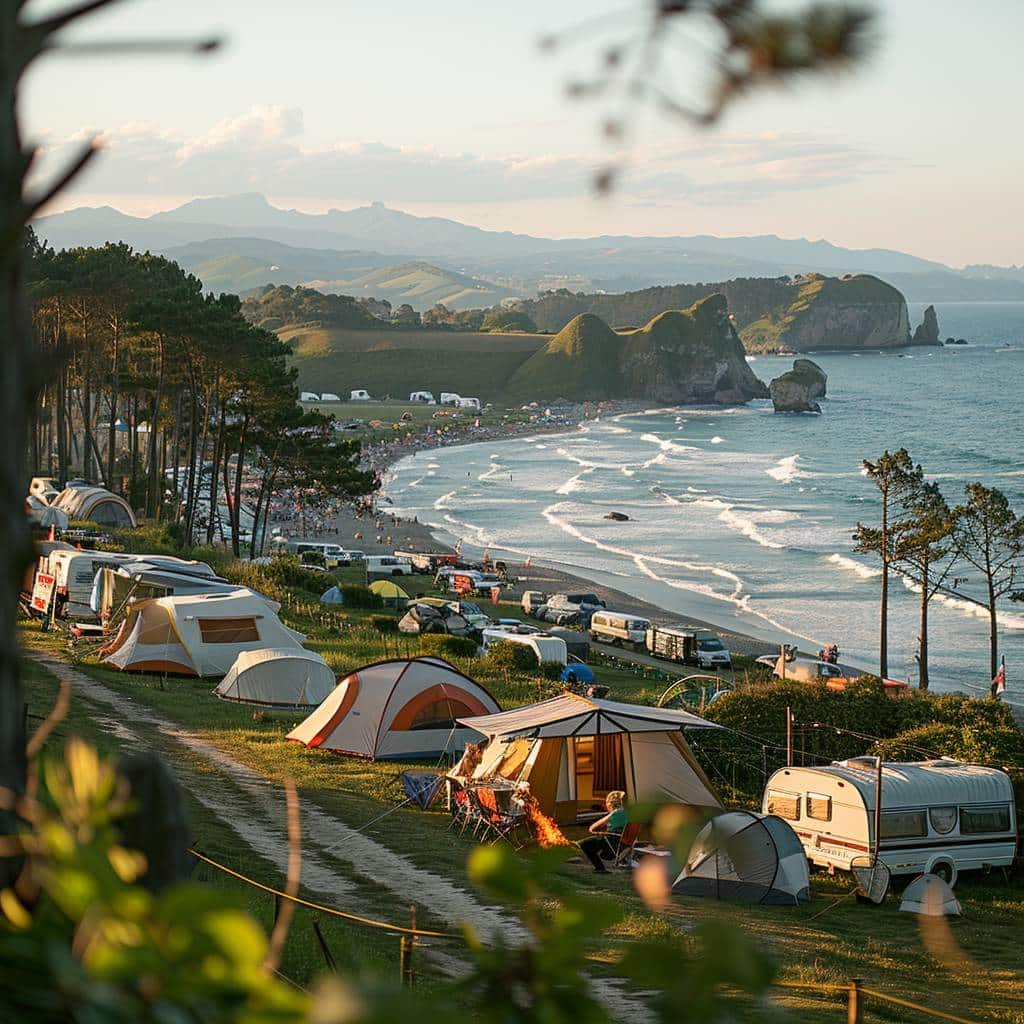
(748, 858)
(930, 895)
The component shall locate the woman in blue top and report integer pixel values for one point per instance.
(603, 843)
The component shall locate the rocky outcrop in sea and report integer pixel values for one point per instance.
(797, 389)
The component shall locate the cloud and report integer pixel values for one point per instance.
(262, 150)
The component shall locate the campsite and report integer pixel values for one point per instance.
(357, 818)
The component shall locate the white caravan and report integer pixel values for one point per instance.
(619, 628)
(329, 396)
(426, 397)
(546, 648)
(469, 403)
(359, 395)
(941, 817)
(309, 396)
(450, 398)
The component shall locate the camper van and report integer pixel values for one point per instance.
(309, 396)
(619, 628)
(547, 648)
(329, 396)
(466, 581)
(426, 397)
(387, 565)
(941, 817)
(450, 398)
(698, 647)
(359, 395)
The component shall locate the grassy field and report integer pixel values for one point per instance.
(399, 362)
(974, 970)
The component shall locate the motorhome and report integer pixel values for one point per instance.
(426, 397)
(546, 648)
(619, 628)
(359, 395)
(698, 647)
(387, 565)
(941, 816)
(428, 561)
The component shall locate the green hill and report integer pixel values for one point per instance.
(580, 362)
(422, 285)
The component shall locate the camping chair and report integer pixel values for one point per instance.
(627, 844)
(459, 805)
(501, 823)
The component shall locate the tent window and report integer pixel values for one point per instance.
(903, 824)
(819, 806)
(784, 805)
(228, 631)
(440, 714)
(979, 820)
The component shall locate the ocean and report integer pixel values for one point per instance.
(744, 518)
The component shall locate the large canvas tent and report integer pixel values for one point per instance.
(397, 709)
(748, 858)
(96, 504)
(195, 634)
(574, 750)
(278, 677)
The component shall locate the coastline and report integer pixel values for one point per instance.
(542, 574)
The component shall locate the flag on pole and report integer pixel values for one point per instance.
(999, 680)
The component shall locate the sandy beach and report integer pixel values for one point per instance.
(382, 532)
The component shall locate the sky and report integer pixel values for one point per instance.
(453, 109)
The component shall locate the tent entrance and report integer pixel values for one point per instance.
(600, 767)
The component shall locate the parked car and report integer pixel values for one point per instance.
(387, 565)
(570, 609)
(711, 652)
(471, 612)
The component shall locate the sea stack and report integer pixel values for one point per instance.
(797, 389)
(927, 331)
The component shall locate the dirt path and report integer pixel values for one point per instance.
(253, 807)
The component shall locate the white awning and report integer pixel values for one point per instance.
(570, 715)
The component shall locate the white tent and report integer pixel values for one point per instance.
(286, 677)
(746, 857)
(396, 709)
(930, 895)
(196, 634)
(574, 750)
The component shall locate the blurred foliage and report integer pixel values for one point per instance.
(82, 940)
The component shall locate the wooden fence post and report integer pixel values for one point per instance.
(855, 1002)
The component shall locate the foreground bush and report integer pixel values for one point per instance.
(443, 646)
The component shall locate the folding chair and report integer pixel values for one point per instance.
(458, 800)
(627, 843)
(501, 823)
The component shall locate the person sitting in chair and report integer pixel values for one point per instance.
(603, 843)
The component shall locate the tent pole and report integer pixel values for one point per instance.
(878, 813)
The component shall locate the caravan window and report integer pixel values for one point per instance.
(228, 631)
(784, 805)
(903, 824)
(819, 806)
(943, 819)
(978, 820)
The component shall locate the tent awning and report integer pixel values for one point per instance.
(571, 715)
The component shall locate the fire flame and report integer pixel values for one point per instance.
(545, 829)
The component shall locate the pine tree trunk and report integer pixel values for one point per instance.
(993, 632)
(883, 625)
(112, 430)
(922, 640)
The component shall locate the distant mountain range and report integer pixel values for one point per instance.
(236, 243)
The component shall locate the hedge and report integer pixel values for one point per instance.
(443, 646)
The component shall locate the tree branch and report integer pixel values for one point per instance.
(33, 205)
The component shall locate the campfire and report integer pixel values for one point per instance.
(545, 829)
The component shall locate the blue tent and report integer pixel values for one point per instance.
(332, 596)
(577, 673)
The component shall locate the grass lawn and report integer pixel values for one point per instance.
(973, 971)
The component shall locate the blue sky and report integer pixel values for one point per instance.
(451, 109)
